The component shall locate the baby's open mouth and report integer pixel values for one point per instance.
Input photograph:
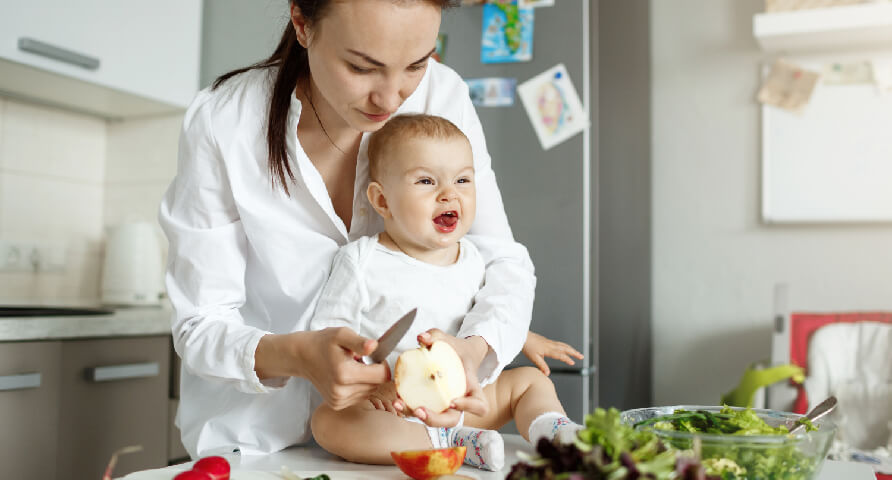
(446, 220)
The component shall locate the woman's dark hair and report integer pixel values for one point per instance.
(291, 58)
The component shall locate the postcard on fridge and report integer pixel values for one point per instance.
(553, 106)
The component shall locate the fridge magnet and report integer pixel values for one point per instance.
(788, 86)
(846, 73)
(882, 75)
(492, 92)
(440, 48)
(535, 3)
(553, 106)
(507, 33)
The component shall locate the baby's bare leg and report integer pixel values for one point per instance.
(362, 434)
(521, 394)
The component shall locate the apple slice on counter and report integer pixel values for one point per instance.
(426, 464)
(430, 378)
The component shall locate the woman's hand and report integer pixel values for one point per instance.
(471, 350)
(330, 359)
(537, 347)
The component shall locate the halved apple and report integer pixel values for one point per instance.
(430, 378)
(425, 464)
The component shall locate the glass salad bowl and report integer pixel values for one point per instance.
(739, 456)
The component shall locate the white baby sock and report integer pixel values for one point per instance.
(553, 425)
(485, 448)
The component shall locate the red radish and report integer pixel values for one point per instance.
(216, 467)
(193, 475)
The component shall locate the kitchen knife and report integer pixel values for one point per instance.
(391, 338)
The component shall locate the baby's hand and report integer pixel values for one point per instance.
(538, 347)
(386, 398)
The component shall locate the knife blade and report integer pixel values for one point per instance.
(391, 338)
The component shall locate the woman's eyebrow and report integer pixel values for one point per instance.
(379, 63)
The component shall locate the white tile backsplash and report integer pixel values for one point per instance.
(66, 177)
(43, 141)
(139, 202)
(49, 208)
(143, 150)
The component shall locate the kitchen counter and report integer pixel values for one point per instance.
(310, 461)
(124, 322)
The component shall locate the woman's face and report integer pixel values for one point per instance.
(367, 56)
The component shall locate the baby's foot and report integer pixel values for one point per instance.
(486, 449)
(553, 426)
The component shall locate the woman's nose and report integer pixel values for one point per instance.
(388, 95)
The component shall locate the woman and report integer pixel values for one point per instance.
(271, 159)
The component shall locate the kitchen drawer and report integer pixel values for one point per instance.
(29, 417)
(114, 394)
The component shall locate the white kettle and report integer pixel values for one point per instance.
(131, 272)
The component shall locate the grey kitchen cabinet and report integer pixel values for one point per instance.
(114, 393)
(29, 414)
(66, 406)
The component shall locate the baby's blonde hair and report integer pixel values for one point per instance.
(406, 126)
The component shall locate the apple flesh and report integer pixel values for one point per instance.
(425, 464)
(430, 378)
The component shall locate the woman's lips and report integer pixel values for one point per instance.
(377, 118)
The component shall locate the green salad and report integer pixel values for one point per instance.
(609, 449)
(731, 461)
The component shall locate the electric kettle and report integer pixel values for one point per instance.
(131, 271)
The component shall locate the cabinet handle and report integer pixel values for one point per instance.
(20, 381)
(123, 372)
(57, 53)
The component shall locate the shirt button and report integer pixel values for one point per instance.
(363, 211)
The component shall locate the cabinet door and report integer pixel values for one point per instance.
(114, 394)
(149, 49)
(29, 415)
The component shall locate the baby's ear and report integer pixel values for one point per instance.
(375, 192)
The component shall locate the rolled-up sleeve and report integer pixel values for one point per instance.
(206, 262)
(504, 306)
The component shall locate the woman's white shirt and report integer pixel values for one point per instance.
(246, 260)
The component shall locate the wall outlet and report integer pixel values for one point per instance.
(28, 256)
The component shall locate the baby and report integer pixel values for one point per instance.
(422, 174)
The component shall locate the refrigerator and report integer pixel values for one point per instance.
(547, 193)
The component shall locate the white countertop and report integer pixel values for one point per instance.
(306, 462)
(133, 321)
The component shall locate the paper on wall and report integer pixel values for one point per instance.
(553, 106)
(839, 73)
(788, 86)
(534, 3)
(882, 75)
(507, 34)
(492, 92)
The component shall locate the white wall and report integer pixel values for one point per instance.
(64, 178)
(714, 262)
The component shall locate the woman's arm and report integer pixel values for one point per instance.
(206, 260)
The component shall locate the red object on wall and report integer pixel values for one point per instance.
(804, 325)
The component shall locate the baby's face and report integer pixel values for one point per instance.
(430, 192)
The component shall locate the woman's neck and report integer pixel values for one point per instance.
(321, 120)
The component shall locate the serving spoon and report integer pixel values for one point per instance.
(819, 411)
